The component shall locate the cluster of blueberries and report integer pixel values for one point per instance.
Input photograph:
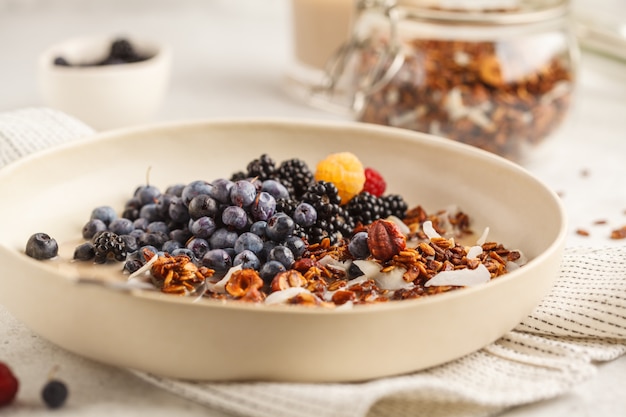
(219, 224)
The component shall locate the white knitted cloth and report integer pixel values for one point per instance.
(582, 321)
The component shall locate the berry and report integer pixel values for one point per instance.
(279, 227)
(248, 241)
(54, 393)
(358, 246)
(275, 188)
(93, 227)
(262, 168)
(41, 246)
(9, 385)
(263, 206)
(235, 217)
(195, 188)
(393, 205)
(147, 194)
(247, 259)
(121, 226)
(243, 193)
(203, 227)
(221, 190)
(217, 259)
(296, 176)
(105, 213)
(365, 208)
(283, 255)
(305, 215)
(344, 170)
(269, 270)
(84, 252)
(198, 246)
(374, 182)
(109, 246)
(223, 238)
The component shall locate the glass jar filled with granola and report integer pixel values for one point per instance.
(496, 74)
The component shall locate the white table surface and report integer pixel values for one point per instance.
(229, 61)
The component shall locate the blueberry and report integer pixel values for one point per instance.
(276, 189)
(296, 245)
(62, 62)
(269, 270)
(178, 210)
(170, 246)
(42, 246)
(223, 238)
(279, 227)
(235, 216)
(93, 227)
(152, 239)
(305, 215)
(158, 227)
(141, 223)
(163, 204)
(268, 245)
(248, 241)
(354, 271)
(181, 235)
(147, 194)
(203, 227)
(243, 193)
(84, 252)
(130, 242)
(217, 259)
(221, 190)
(203, 205)
(198, 246)
(121, 226)
(54, 393)
(105, 213)
(195, 188)
(283, 255)
(150, 212)
(358, 246)
(247, 259)
(187, 252)
(258, 228)
(175, 190)
(263, 207)
(132, 265)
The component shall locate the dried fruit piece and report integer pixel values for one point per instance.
(9, 385)
(344, 170)
(374, 182)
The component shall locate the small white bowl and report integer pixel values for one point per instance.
(105, 96)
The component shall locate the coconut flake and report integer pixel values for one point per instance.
(330, 262)
(280, 297)
(429, 230)
(461, 277)
(401, 225)
(474, 251)
(220, 286)
(392, 280)
(369, 268)
(483, 237)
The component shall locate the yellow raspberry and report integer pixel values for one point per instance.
(345, 171)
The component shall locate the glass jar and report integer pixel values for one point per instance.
(499, 77)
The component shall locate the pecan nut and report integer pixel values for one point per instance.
(243, 282)
(385, 240)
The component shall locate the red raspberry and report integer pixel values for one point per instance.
(374, 182)
(8, 385)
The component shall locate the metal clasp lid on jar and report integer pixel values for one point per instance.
(339, 93)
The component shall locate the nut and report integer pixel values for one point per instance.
(244, 281)
(385, 240)
(288, 279)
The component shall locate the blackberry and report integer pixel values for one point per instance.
(393, 205)
(296, 176)
(263, 168)
(239, 175)
(287, 206)
(107, 246)
(321, 193)
(333, 221)
(365, 208)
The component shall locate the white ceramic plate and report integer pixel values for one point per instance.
(54, 192)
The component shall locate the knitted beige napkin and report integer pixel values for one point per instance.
(581, 321)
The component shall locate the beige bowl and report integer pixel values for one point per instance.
(105, 96)
(55, 191)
